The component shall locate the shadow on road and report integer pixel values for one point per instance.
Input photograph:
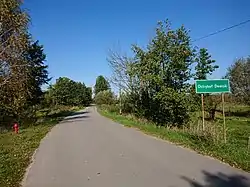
(76, 116)
(78, 113)
(220, 180)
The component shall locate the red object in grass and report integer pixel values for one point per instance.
(16, 128)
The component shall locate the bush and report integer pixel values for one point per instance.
(114, 108)
(105, 97)
(174, 107)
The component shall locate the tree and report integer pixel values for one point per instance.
(121, 70)
(205, 65)
(239, 76)
(68, 93)
(105, 97)
(163, 71)
(14, 42)
(38, 71)
(101, 84)
(88, 95)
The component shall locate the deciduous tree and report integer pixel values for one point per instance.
(239, 76)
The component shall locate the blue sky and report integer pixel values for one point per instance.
(77, 34)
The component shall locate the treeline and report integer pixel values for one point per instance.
(23, 71)
(68, 92)
(157, 82)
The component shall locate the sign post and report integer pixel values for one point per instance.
(203, 112)
(224, 119)
(213, 86)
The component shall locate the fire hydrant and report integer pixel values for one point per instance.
(16, 128)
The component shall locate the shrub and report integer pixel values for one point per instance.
(105, 97)
(174, 107)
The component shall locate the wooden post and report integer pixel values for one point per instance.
(120, 100)
(224, 118)
(203, 112)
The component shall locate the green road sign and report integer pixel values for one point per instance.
(212, 86)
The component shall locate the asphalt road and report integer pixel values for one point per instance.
(88, 150)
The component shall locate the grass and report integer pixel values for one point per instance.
(234, 152)
(17, 149)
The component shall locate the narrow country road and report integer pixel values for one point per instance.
(88, 150)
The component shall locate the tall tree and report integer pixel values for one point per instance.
(163, 71)
(38, 71)
(205, 65)
(168, 57)
(101, 84)
(239, 76)
(14, 42)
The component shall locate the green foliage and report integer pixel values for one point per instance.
(113, 108)
(211, 104)
(23, 109)
(160, 75)
(38, 73)
(69, 93)
(22, 66)
(174, 107)
(101, 84)
(88, 96)
(167, 60)
(156, 80)
(204, 65)
(105, 97)
(14, 77)
(239, 76)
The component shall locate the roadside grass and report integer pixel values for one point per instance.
(234, 152)
(16, 150)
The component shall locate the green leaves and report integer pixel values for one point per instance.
(105, 97)
(167, 59)
(69, 93)
(174, 107)
(239, 76)
(101, 84)
(37, 72)
(163, 71)
(157, 78)
(16, 80)
(205, 65)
